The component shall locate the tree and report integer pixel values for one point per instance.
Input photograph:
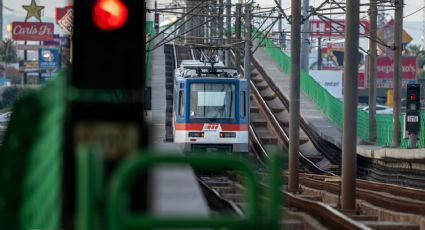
(7, 53)
(415, 50)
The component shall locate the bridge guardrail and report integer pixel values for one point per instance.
(332, 106)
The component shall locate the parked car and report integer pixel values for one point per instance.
(380, 109)
(5, 117)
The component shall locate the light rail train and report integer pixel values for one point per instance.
(211, 108)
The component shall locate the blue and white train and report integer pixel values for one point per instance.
(211, 108)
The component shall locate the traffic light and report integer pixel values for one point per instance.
(413, 97)
(107, 85)
(109, 44)
(109, 14)
(156, 21)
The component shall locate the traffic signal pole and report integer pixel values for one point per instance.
(294, 96)
(398, 31)
(349, 129)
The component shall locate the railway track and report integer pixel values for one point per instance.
(311, 209)
(269, 124)
(298, 212)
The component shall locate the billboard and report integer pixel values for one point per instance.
(386, 34)
(329, 80)
(385, 71)
(334, 28)
(32, 31)
(48, 58)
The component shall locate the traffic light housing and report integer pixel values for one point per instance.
(109, 44)
(413, 108)
(413, 97)
(156, 21)
(105, 110)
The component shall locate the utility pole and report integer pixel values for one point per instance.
(220, 26)
(247, 53)
(398, 31)
(279, 26)
(373, 15)
(1, 18)
(238, 30)
(319, 53)
(228, 31)
(304, 39)
(294, 96)
(349, 129)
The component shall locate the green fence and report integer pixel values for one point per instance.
(151, 31)
(30, 161)
(92, 197)
(332, 107)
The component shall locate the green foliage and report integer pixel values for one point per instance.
(8, 51)
(415, 50)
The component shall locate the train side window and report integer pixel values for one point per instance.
(181, 105)
(242, 108)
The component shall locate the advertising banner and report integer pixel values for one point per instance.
(330, 80)
(32, 31)
(334, 28)
(385, 71)
(48, 58)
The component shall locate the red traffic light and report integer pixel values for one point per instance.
(412, 97)
(109, 14)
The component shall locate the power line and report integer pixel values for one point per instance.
(414, 12)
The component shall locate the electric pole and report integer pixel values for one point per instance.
(398, 31)
(373, 15)
(228, 31)
(304, 39)
(294, 96)
(1, 18)
(280, 26)
(238, 30)
(221, 26)
(349, 129)
(319, 53)
(247, 53)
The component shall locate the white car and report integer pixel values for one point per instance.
(380, 109)
(5, 117)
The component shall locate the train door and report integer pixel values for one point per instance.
(243, 103)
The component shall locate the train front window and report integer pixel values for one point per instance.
(211, 100)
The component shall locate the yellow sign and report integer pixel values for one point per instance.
(386, 34)
(31, 64)
(114, 140)
(33, 10)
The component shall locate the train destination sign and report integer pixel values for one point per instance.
(32, 31)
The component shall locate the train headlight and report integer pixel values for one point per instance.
(196, 134)
(227, 134)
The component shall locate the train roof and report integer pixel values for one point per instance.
(198, 69)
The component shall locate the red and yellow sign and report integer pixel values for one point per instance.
(33, 31)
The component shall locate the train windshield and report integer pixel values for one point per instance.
(212, 100)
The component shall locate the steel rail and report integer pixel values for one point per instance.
(381, 199)
(322, 212)
(396, 190)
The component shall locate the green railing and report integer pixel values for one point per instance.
(119, 217)
(151, 31)
(30, 160)
(332, 106)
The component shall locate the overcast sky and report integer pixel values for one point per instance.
(16, 6)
